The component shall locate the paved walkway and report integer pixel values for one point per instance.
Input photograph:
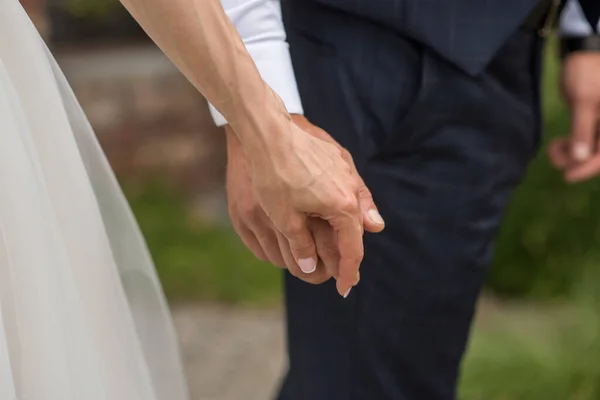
(231, 353)
(238, 353)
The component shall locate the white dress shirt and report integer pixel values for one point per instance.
(260, 26)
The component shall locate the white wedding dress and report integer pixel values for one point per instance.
(82, 314)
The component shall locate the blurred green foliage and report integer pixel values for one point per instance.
(541, 352)
(551, 228)
(553, 362)
(91, 9)
(200, 262)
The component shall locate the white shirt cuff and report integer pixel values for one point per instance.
(573, 21)
(275, 66)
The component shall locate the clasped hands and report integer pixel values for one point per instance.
(302, 205)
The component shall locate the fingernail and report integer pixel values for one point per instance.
(307, 265)
(375, 216)
(581, 151)
(347, 292)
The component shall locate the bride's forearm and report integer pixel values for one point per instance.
(202, 42)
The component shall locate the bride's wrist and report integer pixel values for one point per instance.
(264, 129)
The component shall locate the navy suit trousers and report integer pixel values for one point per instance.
(441, 151)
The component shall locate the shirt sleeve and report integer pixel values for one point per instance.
(580, 18)
(260, 25)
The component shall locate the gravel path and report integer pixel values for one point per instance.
(231, 353)
(236, 353)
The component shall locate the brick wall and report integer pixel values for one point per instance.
(150, 120)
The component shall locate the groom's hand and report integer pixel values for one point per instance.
(371, 219)
(578, 154)
(257, 230)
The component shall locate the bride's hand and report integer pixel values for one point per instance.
(297, 176)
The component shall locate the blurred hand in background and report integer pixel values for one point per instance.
(578, 155)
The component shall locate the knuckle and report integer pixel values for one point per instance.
(348, 203)
(346, 167)
(365, 193)
(292, 227)
(345, 154)
(339, 151)
(341, 155)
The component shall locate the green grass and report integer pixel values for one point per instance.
(539, 352)
(556, 361)
(196, 261)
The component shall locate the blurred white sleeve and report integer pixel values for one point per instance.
(260, 26)
(573, 21)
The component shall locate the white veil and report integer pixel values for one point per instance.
(82, 314)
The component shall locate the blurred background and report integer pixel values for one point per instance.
(537, 332)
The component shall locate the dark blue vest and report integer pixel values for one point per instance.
(466, 32)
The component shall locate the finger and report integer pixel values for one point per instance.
(317, 277)
(357, 279)
(372, 220)
(268, 242)
(559, 153)
(251, 242)
(583, 131)
(301, 243)
(286, 253)
(325, 240)
(582, 172)
(351, 251)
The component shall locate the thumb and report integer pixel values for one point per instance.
(302, 244)
(583, 131)
(372, 220)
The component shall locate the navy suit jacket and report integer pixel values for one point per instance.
(466, 32)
